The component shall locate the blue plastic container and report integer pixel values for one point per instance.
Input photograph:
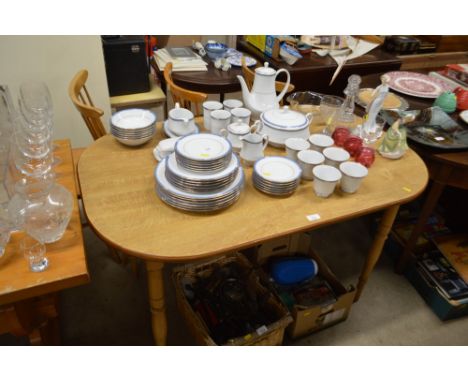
(293, 270)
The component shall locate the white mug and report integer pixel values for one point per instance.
(181, 121)
(294, 145)
(230, 104)
(208, 107)
(334, 156)
(220, 119)
(325, 180)
(241, 114)
(308, 159)
(353, 174)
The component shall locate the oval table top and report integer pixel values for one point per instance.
(118, 190)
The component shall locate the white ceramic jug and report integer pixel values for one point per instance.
(253, 145)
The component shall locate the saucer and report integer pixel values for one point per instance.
(170, 134)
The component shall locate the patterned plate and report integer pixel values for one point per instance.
(236, 60)
(417, 84)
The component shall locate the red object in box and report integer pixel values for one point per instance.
(352, 145)
(366, 156)
(340, 135)
(462, 98)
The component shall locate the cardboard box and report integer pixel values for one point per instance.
(315, 318)
(268, 44)
(444, 308)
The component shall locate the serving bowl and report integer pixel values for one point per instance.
(215, 50)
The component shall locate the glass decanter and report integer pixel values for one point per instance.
(41, 207)
(345, 116)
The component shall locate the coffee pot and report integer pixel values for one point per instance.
(263, 95)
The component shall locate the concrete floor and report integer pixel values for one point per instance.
(113, 310)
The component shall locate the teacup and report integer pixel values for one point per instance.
(353, 174)
(241, 114)
(294, 145)
(208, 107)
(325, 180)
(334, 156)
(308, 159)
(319, 142)
(220, 119)
(181, 121)
(230, 104)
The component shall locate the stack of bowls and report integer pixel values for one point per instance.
(133, 127)
(202, 175)
(278, 176)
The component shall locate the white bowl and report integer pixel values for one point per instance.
(134, 142)
(133, 119)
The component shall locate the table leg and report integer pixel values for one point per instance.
(221, 97)
(429, 204)
(376, 249)
(156, 300)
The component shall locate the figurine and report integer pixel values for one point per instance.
(447, 101)
(394, 143)
(370, 125)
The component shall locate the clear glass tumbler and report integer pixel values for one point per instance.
(34, 252)
(329, 108)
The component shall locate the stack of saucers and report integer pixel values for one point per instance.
(133, 127)
(203, 152)
(277, 176)
(202, 187)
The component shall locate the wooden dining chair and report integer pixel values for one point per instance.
(92, 116)
(249, 75)
(84, 104)
(185, 98)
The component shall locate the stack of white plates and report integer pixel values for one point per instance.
(202, 174)
(203, 152)
(277, 176)
(199, 181)
(184, 199)
(133, 127)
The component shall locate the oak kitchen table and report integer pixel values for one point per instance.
(118, 191)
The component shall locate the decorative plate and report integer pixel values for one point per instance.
(203, 147)
(277, 169)
(392, 101)
(417, 84)
(236, 60)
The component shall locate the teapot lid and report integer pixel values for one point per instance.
(265, 70)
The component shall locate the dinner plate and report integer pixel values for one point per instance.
(416, 84)
(236, 60)
(277, 169)
(203, 147)
(181, 172)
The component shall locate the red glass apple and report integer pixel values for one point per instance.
(366, 156)
(352, 145)
(340, 135)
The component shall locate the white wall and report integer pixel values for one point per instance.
(55, 60)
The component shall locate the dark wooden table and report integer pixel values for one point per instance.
(313, 72)
(213, 81)
(446, 168)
